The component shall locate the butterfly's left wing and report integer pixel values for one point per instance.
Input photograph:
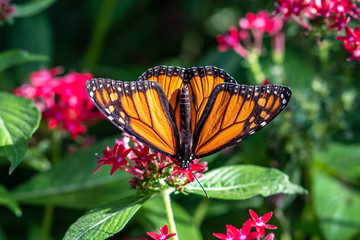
(140, 109)
(170, 79)
(234, 112)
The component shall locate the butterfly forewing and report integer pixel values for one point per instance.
(140, 109)
(234, 112)
(201, 82)
(171, 80)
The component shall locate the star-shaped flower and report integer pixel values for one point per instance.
(233, 233)
(260, 222)
(188, 172)
(164, 234)
(115, 157)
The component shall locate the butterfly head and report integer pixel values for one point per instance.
(185, 162)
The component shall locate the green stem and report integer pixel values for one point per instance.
(56, 146)
(324, 51)
(255, 67)
(170, 216)
(201, 211)
(278, 68)
(49, 209)
(99, 34)
(47, 222)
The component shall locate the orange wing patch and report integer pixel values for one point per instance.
(201, 82)
(171, 81)
(235, 112)
(140, 109)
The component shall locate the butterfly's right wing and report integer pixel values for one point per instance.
(234, 112)
(201, 82)
(140, 109)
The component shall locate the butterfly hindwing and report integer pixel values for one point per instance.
(234, 112)
(170, 79)
(140, 109)
(201, 82)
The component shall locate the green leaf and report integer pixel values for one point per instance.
(19, 118)
(244, 181)
(2, 234)
(341, 160)
(70, 183)
(31, 8)
(337, 207)
(106, 220)
(11, 58)
(153, 215)
(8, 201)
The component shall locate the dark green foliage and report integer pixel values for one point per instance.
(314, 143)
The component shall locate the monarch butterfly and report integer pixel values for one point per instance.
(187, 113)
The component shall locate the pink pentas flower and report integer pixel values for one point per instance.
(353, 49)
(6, 9)
(150, 170)
(352, 35)
(233, 233)
(228, 40)
(340, 22)
(62, 99)
(289, 7)
(351, 42)
(245, 231)
(248, 39)
(115, 157)
(314, 15)
(164, 233)
(275, 25)
(266, 82)
(260, 21)
(263, 22)
(144, 155)
(260, 222)
(190, 172)
(41, 88)
(343, 6)
(322, 7)
(270, 236)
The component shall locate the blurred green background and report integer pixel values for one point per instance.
(315, 141)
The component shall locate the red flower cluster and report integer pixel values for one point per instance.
(233, 233)
(6, 9)
(146, 166)
(334, 14)
(250, 36)
(164, 234)
(62, 99)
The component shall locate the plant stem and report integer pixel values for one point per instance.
(101, 28)
(46, 222)
(49, 209)
(201, 211)
(56, 146)
(170, 216)
(255, 67)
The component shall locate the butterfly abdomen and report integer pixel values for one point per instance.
(186, 136)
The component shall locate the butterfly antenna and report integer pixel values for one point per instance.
(161, 169)
(200, 185)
